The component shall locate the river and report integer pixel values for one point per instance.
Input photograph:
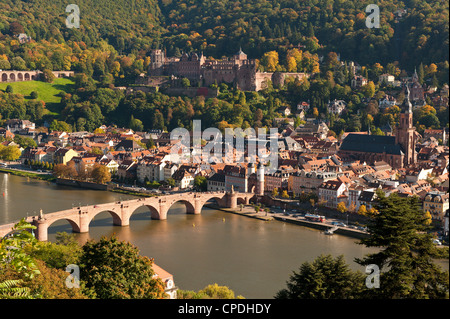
(253, 257)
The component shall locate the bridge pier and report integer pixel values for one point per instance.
(231, 200)
(41, 231)
(84, 223)
(198, 205)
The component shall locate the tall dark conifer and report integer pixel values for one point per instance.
(406, 256)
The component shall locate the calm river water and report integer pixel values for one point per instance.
(252, 257)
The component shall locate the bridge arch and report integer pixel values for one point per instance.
(4, 77)
(154, 213)
(27, 77)
(219, 201)
(117, 219)
(19, 77)
(12, 77)
(76, 227)
(190, 208)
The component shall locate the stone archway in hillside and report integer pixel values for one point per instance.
(4, 77)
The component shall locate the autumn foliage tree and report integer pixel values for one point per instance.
(101, 174)
(341, 207)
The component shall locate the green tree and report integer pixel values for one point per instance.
(200, 183)
(25, 141)
(324, 278)
(185, 82)
(48, 76)
(171, 182)
(34, 95)
(136, 124)
(406, 257)
(209, 292)
(115, 270)
(218, 292)
(60, 126)
(17, 63)
(58, 255)
(10, 153)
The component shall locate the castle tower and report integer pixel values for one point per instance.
(240, 55)
(156, 62)
(260, 179)
(404, 134)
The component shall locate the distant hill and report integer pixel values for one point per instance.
(220, 27)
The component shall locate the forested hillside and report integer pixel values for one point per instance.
(112, 47)
(218, 27)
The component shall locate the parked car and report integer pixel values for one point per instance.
(339, 224)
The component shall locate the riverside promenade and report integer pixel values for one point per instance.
(295, 218)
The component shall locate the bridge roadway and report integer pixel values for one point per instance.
(121, 211)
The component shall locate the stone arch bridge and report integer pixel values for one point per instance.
(19, 76)
(121, 211)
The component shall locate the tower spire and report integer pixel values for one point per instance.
(407, 106)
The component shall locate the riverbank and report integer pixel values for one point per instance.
(245, 212)
(248, 211)
(40, 176)
(45, 176)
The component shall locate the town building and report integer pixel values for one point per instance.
(216, 183)
(169, 285)
(64, 155)
(332, 192)
(386, 78)
(336, 107)
(437, 203)
(358, 81)
(309, 181)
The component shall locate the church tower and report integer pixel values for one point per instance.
(404, 134)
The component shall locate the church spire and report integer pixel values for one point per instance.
(407, 106)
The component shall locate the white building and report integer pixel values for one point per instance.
(169, 286)
(386, 78)
(336, 107)
(386, 102)
(332, 192)
(150, 169)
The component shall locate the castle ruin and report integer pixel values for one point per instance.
(238, 70)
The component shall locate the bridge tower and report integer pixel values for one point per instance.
(260, 179)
